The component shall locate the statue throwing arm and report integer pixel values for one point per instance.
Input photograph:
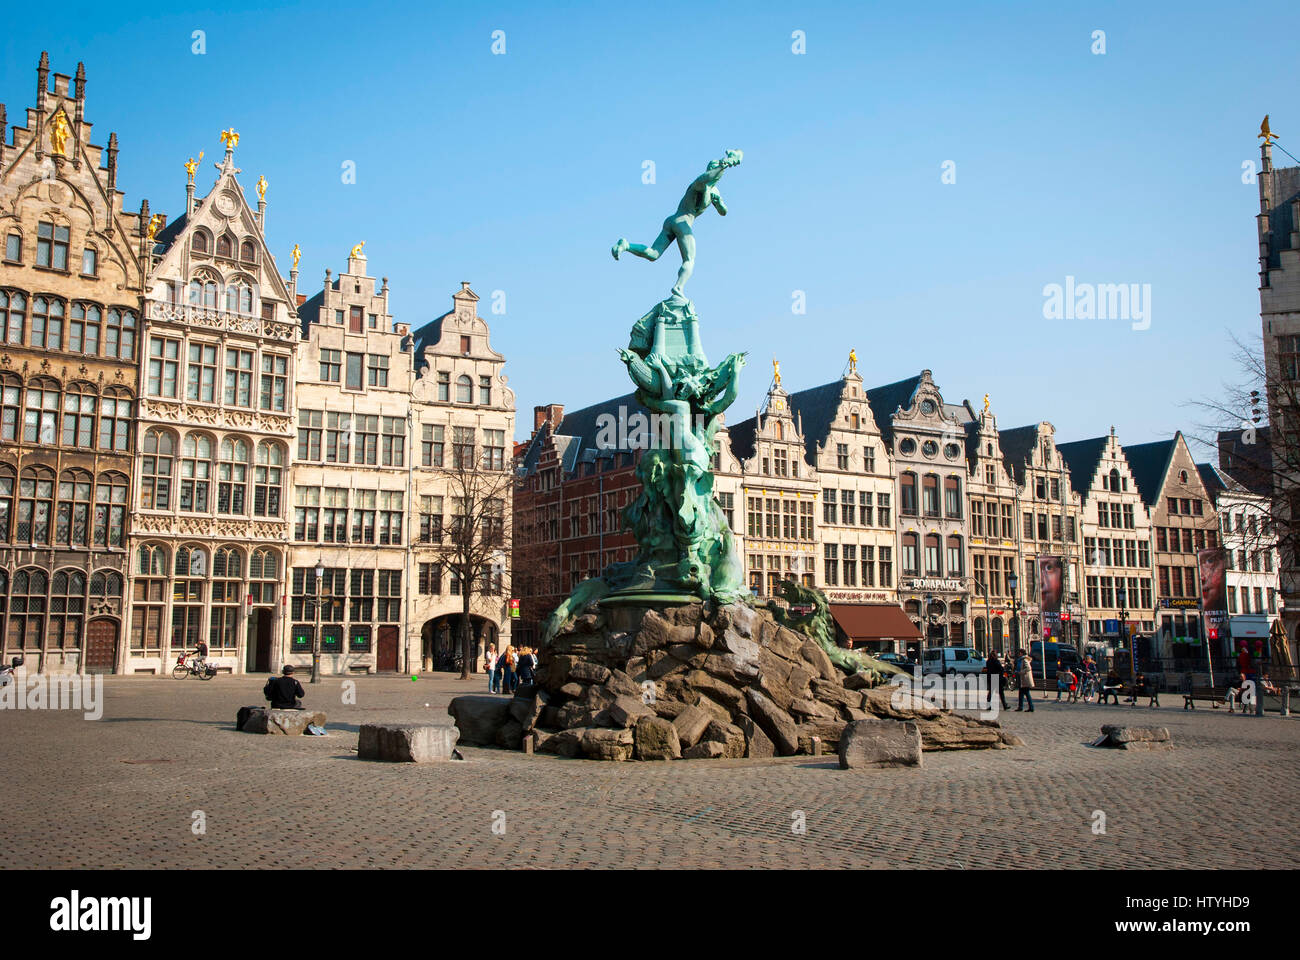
(699, 196)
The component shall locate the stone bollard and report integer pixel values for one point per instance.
(528, 744)
(816, 746)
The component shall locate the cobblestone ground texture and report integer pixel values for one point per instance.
(123, 791)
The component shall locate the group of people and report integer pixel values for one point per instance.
(1075, 684)
(509, 669)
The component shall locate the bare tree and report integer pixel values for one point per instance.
(474, 546)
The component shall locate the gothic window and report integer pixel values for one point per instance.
(67, 610)
(28, 598)
(263, 574)
(110, 509)
(119, 335)
(232, 477)
(79, 416)
(188, 587)
(248, 252)
(72, 527)
(268, 481)
(13, 311)
(6, 504)
(149, 599)
(114, 419)
(84, 329)
(41, 414)
(201, 242)
(156, 470)
(225, 245)
(227, 584)
(196, 473)
(35, 506)
(47, 323)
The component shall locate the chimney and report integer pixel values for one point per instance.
(112, 161)
(552, 413)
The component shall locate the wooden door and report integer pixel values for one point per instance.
(386, 652)
(101, 646)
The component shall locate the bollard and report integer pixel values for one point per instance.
(528, 744)
(816, 746)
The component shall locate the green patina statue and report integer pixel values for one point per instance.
(686, 550)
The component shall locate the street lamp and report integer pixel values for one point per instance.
(1012, 583)
(1122, 596)
(315, 640)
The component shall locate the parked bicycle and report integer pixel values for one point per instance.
(189, 665)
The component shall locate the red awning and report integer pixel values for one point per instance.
(874, 621)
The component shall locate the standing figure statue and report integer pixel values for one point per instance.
(700, 195)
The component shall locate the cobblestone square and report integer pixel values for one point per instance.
(123, 791)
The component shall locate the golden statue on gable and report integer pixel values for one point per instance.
(296, 253)
(356, 251)
(191, 165)
(261, 187)
(230, 138)
(776, 372)
(59, 133)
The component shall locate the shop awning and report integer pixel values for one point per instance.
(874, 621)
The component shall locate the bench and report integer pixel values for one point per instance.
(1215, 695)
(1151, 692)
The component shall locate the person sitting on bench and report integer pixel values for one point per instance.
(285, 692)
(1145, 688)
(1112, 686)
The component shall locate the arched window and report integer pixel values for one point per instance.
(245, 298)
(200, 242)
(188, 587)
(464, 389)
(105, 585)
(232, 477)
(47, 323)
(232, 298)
(119, 334)
(956, 565)
(41, 416)
(952, 497)
(67, 610)
(13, 312)
(930, 495)
(248, 252)
(11, 389)
(110, 509)
(196, 472)
(79, 416)
(980, 638)
(156, 470)
(35, 505)
(907, 493)
(268, 480)
(910, 562)
(933, 567)
(263, 574)
(72, 528)
(115, 419)
(6, 503)
(148, 599)
(225, 245)
(1114, 481)
(227, 578)
(83, 329)
(28, 601)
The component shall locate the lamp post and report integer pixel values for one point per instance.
(1121, 595)
(315, 639)
(1012, 583)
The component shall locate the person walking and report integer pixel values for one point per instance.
(1025, 674)
(490, 667)
(993, 667)
(526, 665)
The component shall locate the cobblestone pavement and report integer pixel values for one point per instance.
(122, 792)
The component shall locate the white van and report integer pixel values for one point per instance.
(951, 660)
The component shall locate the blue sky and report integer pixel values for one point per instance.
(517, 171)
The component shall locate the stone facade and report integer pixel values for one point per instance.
(351, 479)
(70, 286)
(462, 428)
(994, 538)
(209, 528)
(1116, 542)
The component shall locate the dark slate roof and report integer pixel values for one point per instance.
(429, 334)
(1250, 464)
(1215, 482)
(816, 408)
(742, 438)
(165, 237)
(1149, 463)
(1082, 457)
(1017, 444)
(575, 437)
(310, 310)
(885, 400)
(1286, 187)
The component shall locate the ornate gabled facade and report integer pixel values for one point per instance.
(209, 531)
(351, 480)
(778, 490)
(1183, 521)
(858, 536)
(1050, 517)
(1116, 542)
(462, 423)
(994, 537)
(926, 440)
(70, 285)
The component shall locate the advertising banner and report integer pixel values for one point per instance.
(1050, 586)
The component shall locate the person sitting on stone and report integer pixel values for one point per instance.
(284, 692)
